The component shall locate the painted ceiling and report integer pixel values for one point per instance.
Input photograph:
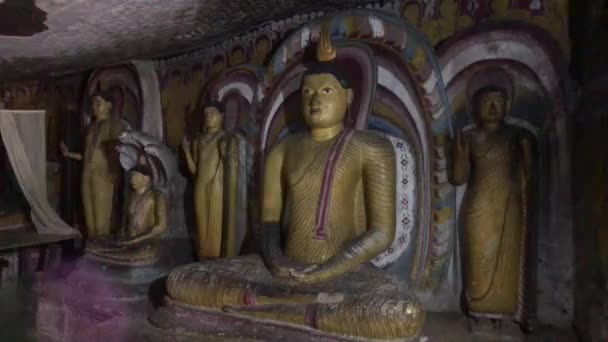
(58, 36)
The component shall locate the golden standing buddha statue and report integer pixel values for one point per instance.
(100, 172)
(328, 210)
(496, 163)
(213, 160)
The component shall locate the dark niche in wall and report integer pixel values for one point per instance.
(21, 18)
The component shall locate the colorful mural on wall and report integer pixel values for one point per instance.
(439, 19)
(183, 78)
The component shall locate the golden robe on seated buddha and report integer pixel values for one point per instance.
(328, 210)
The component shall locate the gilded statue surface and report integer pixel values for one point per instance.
(496, 163)
(150, 167)
(328, 209)
(213, 160)
(138, 241)
(100, 171)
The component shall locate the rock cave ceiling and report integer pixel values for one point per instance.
(59, 36)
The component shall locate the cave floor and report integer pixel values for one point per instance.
(20, 320)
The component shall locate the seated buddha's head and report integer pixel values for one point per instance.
(214, 116)
(326, 93)
(140, 177)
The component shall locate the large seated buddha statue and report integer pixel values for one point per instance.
(328, 209)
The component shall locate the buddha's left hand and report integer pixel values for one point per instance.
(308, 274)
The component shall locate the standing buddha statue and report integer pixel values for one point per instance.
(213, 159)
(100, 171)
(496, 163)
(328, 210)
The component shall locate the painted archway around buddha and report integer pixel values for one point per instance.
(135, 92)
(122, 82)
(240, 90)
(535, 69)
(401, 95)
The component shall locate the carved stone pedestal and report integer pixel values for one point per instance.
(76, 302)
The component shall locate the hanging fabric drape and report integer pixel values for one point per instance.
(24, 136)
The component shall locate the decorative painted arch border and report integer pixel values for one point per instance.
(532, 51)
(137, 79)
(391, 33)
(123, 77)
(245, 80)
(525, 44)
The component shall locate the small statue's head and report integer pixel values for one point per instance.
(491, 104)
(101, 104)
(141, 177)
(326, 92)
(214, 116)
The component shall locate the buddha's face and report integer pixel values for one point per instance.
(139, 181)
(492, 107)
(101, 107)
(214, 119)
(324, 100)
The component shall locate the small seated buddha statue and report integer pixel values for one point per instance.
(328, 209)
(138, 241)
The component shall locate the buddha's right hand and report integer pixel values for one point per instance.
(64, 149)
(462, 144)
(186, 143)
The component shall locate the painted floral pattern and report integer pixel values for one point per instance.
(405, 203)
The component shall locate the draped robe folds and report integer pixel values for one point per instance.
(363, 163)
(208, 196)
(145, 212)
(493, 215)
(100, 174)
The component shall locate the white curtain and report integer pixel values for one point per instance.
(24, 136)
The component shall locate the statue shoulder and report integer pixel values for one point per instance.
(521, 134)
(372, 142)
(120, 124)
(288, 141)
(281, 149)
